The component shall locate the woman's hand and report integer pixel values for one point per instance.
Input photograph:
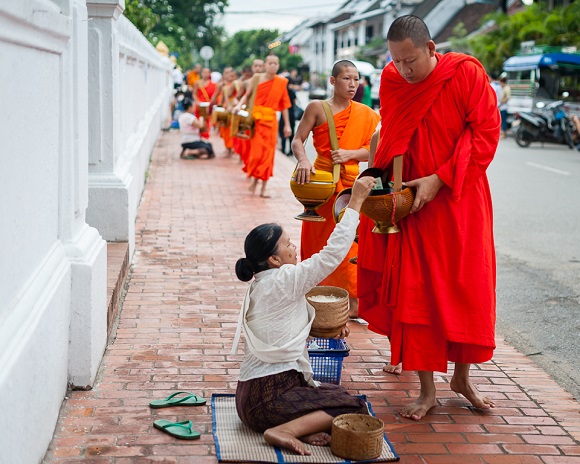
(303, 171)
(427, 188)
(345, 332)
(360, 191)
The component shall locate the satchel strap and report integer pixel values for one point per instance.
(397, 169)
(250, 105)
(333, 138)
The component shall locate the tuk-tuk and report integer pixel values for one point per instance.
(543, 77)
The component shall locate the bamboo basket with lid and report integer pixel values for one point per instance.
(332, 314)
(357, 437)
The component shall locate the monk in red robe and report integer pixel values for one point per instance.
(203, 92)
(271, 96)
(224, 97)
(355, 124)
(431, 287)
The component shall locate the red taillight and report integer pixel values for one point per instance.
(517, 115)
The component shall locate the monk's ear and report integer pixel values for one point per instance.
(332, 80)
(431, 47)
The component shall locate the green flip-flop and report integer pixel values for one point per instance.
(180, 430)
(172, 400)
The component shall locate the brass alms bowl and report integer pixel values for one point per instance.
(220, 116)
(242, 125)
(313, 194)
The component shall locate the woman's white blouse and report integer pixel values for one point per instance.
(275, 315)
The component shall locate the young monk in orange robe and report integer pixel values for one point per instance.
(227, 94)
(204, 91)
(355, 124)
(271, 96)
(431, 287)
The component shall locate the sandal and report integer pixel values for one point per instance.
(180, 430)
(171, 400)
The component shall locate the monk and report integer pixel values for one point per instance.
(431, 287)
(355, 124)
(203, 92)
(224, 97)
(193, 76)
(271, 96)
(242, 145)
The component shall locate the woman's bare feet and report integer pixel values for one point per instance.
(471, 393)
(317, 439)
(420, 407)
(283, 439)
(390, 369)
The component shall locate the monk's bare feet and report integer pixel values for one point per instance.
(317, 439)
(252, 187)
(419, 408)
(353, 307)
(277, 437)
(390, 369)
(265, 195)
(471, 393)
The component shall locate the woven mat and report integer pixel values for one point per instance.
(235, 442)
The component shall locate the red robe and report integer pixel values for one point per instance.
(271, 96)
(225, 132)
(431, 287)
(355, 126)
(206, 96)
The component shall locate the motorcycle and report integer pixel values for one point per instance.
(549, 124)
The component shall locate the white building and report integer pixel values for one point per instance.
(83, 97)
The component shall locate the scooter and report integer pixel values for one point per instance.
(549, 124)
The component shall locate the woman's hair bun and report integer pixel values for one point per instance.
(244, 269)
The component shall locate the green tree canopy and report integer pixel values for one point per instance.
(245, 46)
(184, 25)
(558, 27)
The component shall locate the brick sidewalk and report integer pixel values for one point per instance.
(178, 320)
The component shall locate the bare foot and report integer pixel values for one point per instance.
(252, 187)
(277, 437)
(265, 195)
(390, 369)
(418, 408)
(471, 393)
(353, 307)
(317, 439)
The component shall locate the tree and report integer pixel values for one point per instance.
(245, 46)
(558, 27)
(184, 25)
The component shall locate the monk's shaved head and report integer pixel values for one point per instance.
(339, 67)
(409, 27)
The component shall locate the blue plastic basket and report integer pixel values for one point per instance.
(327, 360)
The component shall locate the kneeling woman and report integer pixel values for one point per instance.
(276, 393)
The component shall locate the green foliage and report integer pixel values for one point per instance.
(368, 51)
(245, 46)
(559, 27)
(459, 41)
(184, 25)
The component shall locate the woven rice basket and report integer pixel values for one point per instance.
(331, 316)
(357, 437)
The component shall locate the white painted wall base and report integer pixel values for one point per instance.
(33, 361)
(88, 321)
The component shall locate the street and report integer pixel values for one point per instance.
(536, 197)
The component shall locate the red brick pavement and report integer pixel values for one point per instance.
(178, 320)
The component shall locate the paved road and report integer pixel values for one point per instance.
(536, 194)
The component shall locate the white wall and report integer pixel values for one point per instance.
(53, 265)
(129, 90)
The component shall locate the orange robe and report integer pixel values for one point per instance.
(192, 78)
(271, 96)
(242, 146)
(202, 96)
(431, 287)
(225, 132)
(354, 127)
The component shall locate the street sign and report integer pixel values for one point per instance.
(206, 52)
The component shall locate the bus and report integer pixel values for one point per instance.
(541, 77)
